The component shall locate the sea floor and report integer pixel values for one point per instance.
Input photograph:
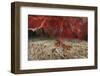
(51, 49)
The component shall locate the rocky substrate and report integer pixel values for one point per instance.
(49, 49)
